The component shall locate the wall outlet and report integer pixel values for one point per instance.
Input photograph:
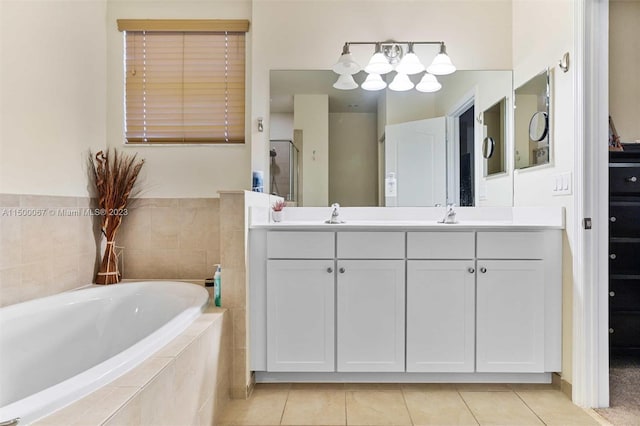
(562, 184)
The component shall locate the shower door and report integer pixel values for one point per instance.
(283, 169)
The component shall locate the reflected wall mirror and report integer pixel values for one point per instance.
(349, 141)
(493, 144)
(532, 124)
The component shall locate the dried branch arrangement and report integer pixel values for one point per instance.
(114, 176)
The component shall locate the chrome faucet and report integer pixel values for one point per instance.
(335, 212)
(450, 215)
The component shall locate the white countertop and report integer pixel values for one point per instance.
(400, 218)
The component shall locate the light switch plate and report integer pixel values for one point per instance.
(562, 184)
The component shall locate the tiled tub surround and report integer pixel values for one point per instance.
(169, 238)
(47, 254)
(187, 383)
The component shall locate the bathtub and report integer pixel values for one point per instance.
(55, 350)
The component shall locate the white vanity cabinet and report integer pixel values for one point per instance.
(370, 301)
(511, 302)
(300, 302)
(406, 303)
(440, 302)
(370, 304)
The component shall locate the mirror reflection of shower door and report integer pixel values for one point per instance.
(283, 171)
(467, 171)
(416, 152)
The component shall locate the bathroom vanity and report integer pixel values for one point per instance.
(402, 298)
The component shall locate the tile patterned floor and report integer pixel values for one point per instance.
(406, 404)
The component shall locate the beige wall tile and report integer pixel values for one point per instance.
(135, 231)
(46, 201)
(189, 381)
(231, 212)
(232, 249)
(199, 203)
(10, 286)
(239, 328)
(143, 373)
(10, 241)
(158, 400)
(385, 407)
(206, 414)
(153, 202)
(87, 268)
(163, 264)
(192, 264)
(165, 227)
(36, 241)
(64, 271)
(9, 200)
(499, 408)
(128, 415)
(196, 229)
(138, 264)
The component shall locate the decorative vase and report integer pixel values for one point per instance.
(277, 215)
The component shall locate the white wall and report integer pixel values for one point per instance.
(281, 126)
(310, 34)
(536, 47)
(179, 171)
(353, 159)
(52, 94)
(311, 115)
(624, 68)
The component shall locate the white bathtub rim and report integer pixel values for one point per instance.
(63, 394)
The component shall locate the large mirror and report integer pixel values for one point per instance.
(532, 135)
(352, 144)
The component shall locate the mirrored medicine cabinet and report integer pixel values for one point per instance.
(531, 122)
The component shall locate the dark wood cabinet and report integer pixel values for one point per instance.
(624, 252)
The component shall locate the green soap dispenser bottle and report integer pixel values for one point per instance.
(217, 283)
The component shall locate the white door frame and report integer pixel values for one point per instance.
(453, 147)
(590, 385)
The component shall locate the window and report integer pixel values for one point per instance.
(184, 81)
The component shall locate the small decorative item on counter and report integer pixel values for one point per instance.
(278, 210)
(217, 286)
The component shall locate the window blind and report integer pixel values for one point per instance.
(184, 86)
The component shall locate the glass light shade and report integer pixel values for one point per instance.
(378, 64)
(410, 64)
(441, 65)
(401, 83)
(345, 82)
(374, 82)
(428, 83)
(346, 65)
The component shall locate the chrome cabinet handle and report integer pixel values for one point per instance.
(471, 270)
(483, 270)
(341, 270)
(612, 293)
(613, 219)
(611, 331)
(613, 256)
(330, 270)
(631, 179)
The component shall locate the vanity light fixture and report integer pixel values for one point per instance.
(389, 56)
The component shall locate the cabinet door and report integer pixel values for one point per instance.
(510, 316)
(440, 316)
(300, 315)
(371, 315)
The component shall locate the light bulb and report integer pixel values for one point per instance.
(374, 82)
(401, 83)
(428, 83)
(345, 82)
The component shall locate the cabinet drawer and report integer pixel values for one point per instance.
(511, 245)
(300, 245)
(624, 329)
(623, 256)
(624, 219)
(371, 245)
(624, 294)
(440, 245)
(624, 178)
